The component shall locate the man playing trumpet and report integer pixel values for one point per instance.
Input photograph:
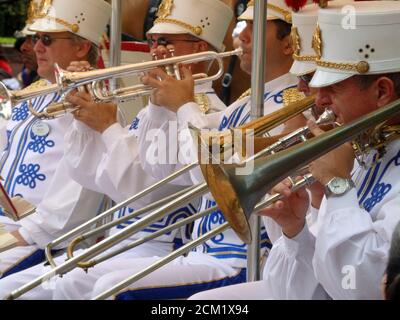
(32, 163)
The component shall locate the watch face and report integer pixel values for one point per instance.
(338, 186)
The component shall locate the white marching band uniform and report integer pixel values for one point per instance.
(32, 162)
(33, 167)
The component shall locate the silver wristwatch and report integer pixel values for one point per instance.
(338, 186)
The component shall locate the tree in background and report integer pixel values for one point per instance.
(12, 16)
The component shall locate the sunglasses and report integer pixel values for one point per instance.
(161, 41)
(46, 39)
(306, 77)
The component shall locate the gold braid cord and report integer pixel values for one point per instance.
(287, 15)
(360, 67)
(292, 95)
(196, 30)
(304, 58)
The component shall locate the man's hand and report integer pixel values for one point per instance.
(290, 212)
(169, 92)
(98, 116)
(79, 66)
(337, 163)
(21, 241)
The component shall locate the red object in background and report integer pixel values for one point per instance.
(296, 5)
(6, 67)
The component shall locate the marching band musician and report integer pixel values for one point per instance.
(221, 260)
(344, 250)
(304, 24)
(103, 155)
(32, 163)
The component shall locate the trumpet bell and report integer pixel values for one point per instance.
(5, 102)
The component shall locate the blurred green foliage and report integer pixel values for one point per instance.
(12, 16)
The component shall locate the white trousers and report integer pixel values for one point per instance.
(178, 279)
(257, 290)
(46, 290)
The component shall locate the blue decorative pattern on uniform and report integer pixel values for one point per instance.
(233, 118)
(29, 175)
(39, 143)
(378, 193)
(171, 218)
(278, 98)
(9, 132)
(135, 124)
(381, 189)
(20, 113)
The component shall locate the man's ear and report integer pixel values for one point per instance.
(385, 91)
(286, 45)
(83, 48)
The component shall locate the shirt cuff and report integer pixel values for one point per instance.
(302, 242)
(161, 114)
(187, 111)
(112, 134)
(348, 200)
(81, 127)
(25, 234)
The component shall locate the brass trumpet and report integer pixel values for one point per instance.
(93, 81)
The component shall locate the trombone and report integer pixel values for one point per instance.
(184, 196)
(245, 192)
(93, 81)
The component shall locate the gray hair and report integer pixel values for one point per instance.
(93, 54)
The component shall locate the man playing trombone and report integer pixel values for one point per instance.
(340, 249)
(32, 162)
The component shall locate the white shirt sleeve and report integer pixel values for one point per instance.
(83, 150)
(351, 248)
(289, 272)
(65, 205)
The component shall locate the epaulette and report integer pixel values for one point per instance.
(203, 101)
(37, 84)
(292, 95)
(245, 94)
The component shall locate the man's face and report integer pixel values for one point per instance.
(28, 54)
(274, 46)
(62, 50)
(347, 99)
(183, 44)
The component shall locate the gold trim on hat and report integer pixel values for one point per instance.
(287, 15)
(41, 11)
(165, 9)
(196, 30)
(317, 42)
(296, 45)
(361, 67)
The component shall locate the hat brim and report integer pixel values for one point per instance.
(43, 26)
(249, 15)
(300, 68)
(324, 78)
